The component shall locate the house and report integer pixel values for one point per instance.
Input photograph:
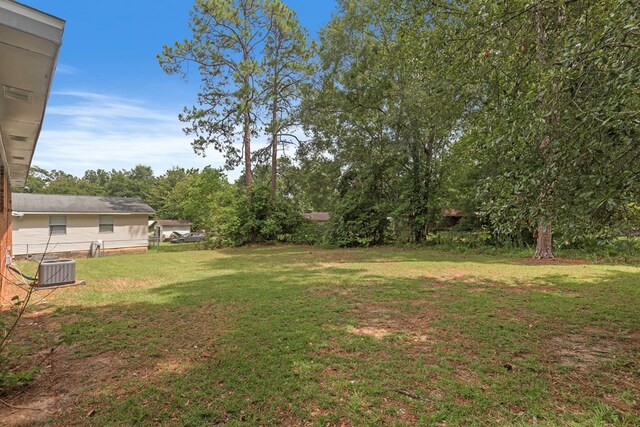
(170, 226)
(47, 223)
(452, 217)
(30, 41)
(317, 216)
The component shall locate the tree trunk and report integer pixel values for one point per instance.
(246, 138)
(544, 246)
(247, 150)
(274, 146)
(544, 235)
(416, 194)
(428, 153)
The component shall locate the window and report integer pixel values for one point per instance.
(105, 224)
(57, 224)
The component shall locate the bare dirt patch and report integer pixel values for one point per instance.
(575, 351)
(553, 261)
(58, 386)
(465, 375)
(371, 331)
(596, 352)
(383, 319)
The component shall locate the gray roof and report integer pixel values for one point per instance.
(173, 222)
(317, 216)
(46, 203)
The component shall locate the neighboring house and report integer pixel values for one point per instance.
(452, 217)
(317, 216)
(29, 45)
(170, 226)
(75, 224)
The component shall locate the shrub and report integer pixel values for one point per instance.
(361, 213)
(12, 378)
(311, 233)
(264, 219)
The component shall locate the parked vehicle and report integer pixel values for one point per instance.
(189, 237)
(173, 235)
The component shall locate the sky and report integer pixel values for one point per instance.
(111, 105)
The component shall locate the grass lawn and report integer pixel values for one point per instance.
(307, 336)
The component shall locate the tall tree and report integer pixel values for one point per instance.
(97, 178)
(170, 191)
(554, 118)
(379, 104)
(227, 38)
(287, 65)
(36, 181)
(136, 182)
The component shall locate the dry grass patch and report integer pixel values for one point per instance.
(575, 351)
(73, 377)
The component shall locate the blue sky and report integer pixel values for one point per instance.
(111, 106)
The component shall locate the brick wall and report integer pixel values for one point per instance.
(7, 290)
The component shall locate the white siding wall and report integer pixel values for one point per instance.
(31, 232)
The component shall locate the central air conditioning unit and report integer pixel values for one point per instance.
(56, 272)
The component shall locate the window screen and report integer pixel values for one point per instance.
(57, 224)
(106, 224)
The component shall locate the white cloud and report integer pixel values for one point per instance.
(84, 130)
(66, 69)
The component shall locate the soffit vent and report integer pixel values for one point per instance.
(18, 138)
(17, 94)
(18, 158)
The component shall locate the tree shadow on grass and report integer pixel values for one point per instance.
(398, 254)
(129, 344)
(261, 345)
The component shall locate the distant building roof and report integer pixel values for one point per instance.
(173, 222)
(53, 203)
(318, 216)
(452, 212)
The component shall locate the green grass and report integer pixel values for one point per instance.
(388, 336)
(177, 247)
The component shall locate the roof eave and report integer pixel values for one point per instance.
(32, 21)
(80, 213)
(41, 26)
